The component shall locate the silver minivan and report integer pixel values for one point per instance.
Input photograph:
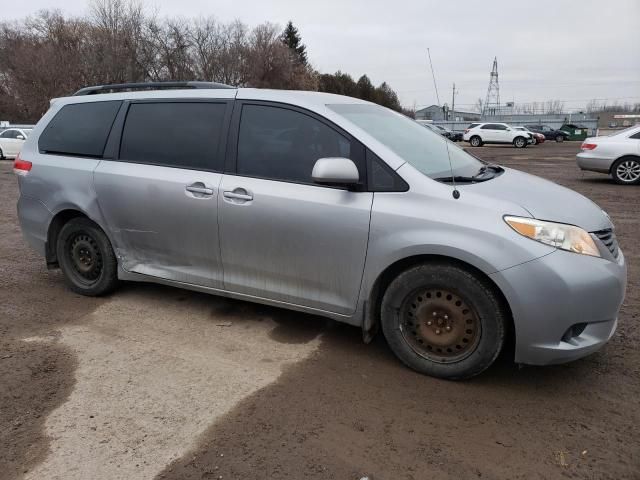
(323, 204)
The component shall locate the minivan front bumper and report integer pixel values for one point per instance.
(564, 305)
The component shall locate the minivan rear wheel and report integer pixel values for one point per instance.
(443, 321)
(86, 258)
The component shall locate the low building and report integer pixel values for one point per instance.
(438, 113)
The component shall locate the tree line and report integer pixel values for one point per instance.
(50, 55)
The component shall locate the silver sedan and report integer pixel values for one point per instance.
(617, 155)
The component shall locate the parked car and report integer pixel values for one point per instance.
(11, 141)
(617, 155)
(496, 133)
(450, 134)
(323, 204)
(549, 133)
(537, 137)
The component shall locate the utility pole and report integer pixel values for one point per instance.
(453, 101)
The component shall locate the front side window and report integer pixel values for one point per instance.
(173, 134)
(281, 144)
(425, 150)
(635, 136)
(9, 134)
(79, 129)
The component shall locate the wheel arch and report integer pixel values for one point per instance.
(371, 321)
(622, 157)
(56, 224)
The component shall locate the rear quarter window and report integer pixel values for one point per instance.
(79, 129)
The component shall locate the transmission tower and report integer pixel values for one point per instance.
(492, 102)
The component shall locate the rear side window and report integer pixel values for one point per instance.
(174, 134)
(79, 129)
(282, 144)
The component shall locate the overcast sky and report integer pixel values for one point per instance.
(573, 50)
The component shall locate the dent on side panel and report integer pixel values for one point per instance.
(34, 218)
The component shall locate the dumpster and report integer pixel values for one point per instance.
(576, 132)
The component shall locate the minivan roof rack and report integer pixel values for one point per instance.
(147, 86)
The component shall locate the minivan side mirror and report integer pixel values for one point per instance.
(335, 171)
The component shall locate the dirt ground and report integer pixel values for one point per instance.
(159, 382)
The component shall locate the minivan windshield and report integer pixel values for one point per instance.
(421, 147)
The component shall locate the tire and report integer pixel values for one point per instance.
(559, 138)
(520, 142)
(86, 258)
(475, 141)
(535, 141)
(459, 321)
(626, 171)
(1, 154)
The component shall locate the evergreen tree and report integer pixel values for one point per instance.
(366, 90)
(291, 38)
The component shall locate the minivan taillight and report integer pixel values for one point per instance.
(588, 146)
(21, 167)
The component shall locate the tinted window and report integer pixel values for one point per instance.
(381, 177)
(637, 136)
(9, 134)
(489, 126)
(79, 129)
(173, 134)
(282, 144)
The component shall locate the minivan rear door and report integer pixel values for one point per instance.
(282, 237)
(159, 193)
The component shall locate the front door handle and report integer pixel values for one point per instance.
(199, 188)
(238, 196)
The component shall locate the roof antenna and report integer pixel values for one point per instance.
(456, 193)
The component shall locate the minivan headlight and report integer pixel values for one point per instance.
(559, 235)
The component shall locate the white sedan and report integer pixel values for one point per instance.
(617, 155)
(11, 141)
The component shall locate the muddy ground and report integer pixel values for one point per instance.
(158, 382)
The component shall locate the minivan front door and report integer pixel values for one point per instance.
(160, 198)
(282, 237)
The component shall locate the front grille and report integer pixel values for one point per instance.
(608, 237)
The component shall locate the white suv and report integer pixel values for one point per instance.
(496, 133)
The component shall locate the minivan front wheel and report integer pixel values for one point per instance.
(86, 258)
(443, 321)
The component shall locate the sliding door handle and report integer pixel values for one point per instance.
(200, 189)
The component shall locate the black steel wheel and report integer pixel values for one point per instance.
(86, 258)
(443, 320)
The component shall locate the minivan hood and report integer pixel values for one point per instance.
(544, 200)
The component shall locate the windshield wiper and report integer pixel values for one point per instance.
(486, 172)
(462, 179)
